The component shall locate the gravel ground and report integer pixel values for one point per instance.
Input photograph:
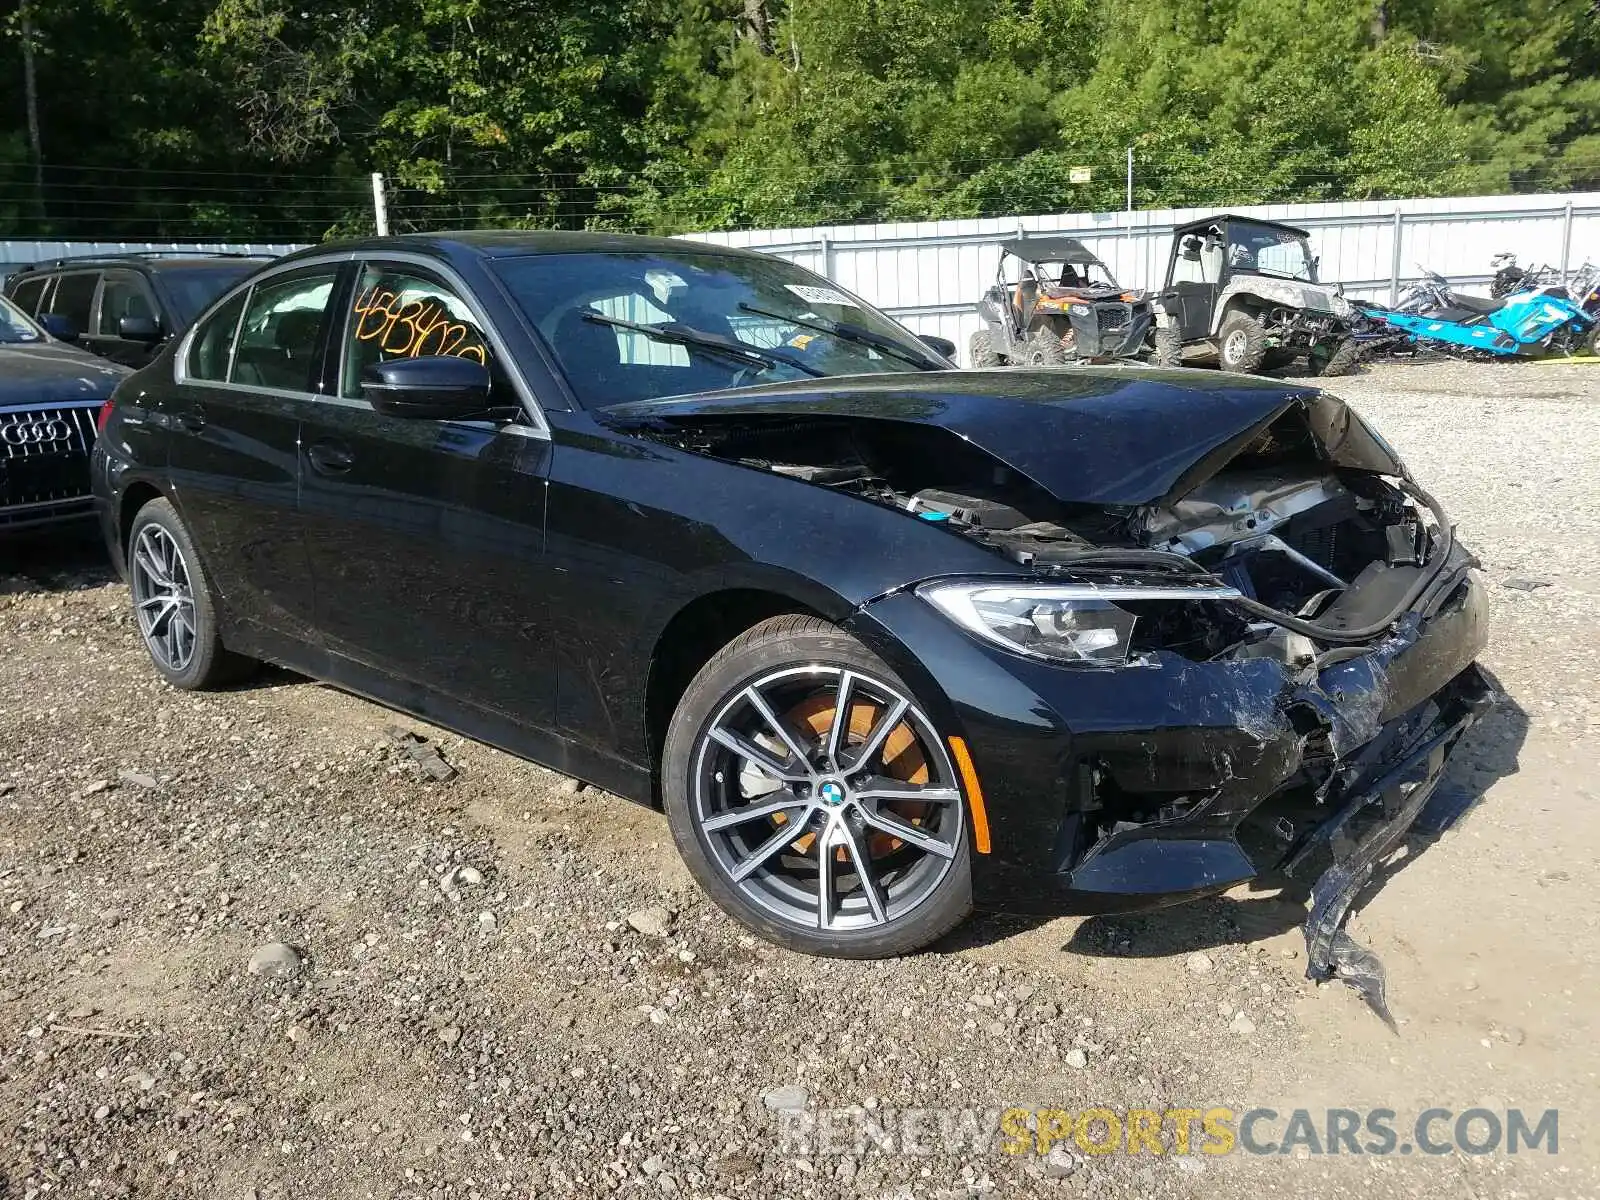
(501, 985)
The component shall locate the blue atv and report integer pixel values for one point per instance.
(1527, 324)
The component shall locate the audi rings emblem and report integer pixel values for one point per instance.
(38, 432)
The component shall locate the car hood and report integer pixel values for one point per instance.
(1102, 436)
(1292, 293)
(54, 373)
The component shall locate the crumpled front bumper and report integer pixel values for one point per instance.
(1116, 790)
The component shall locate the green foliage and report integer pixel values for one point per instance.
(263, 118)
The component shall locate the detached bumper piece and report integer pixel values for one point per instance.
(1384, 788)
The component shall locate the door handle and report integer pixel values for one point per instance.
(329, 458)
(190, 422)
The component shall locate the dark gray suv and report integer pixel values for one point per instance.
(125, 307)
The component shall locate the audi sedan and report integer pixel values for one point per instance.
(885, 640)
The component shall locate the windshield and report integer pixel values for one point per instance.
(14, 327)
(1090, 275)
(193, 288)
(598, 310)
(1269, 251)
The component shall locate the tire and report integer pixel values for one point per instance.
(1043, 348)
(1241, 343)
(798, 666)
(1168, 347)
(981, 352)
(171, 593)
(1342, 361)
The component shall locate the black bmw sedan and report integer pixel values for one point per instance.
(885, 640)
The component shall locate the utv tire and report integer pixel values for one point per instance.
(1342, 361)
(1043, 349)
(1168, 347)
(798, 666)
(981, 352)
(174, 607)
(1241, 343)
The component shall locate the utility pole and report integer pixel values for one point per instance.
(1130, 178)
(380, 205)
(30, 88)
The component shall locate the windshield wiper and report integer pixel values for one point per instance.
(850, 333)
(683, 335)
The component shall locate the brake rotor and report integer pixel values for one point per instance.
(903, 759)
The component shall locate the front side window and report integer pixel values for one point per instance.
(634, 326)
(74, 297)
(278, 337)
(399, 313)
(212, 348)
(122, 295)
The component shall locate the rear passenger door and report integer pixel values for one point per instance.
(122, 294)
(243, 384)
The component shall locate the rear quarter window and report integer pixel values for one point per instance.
(26, 294)
(212, 348)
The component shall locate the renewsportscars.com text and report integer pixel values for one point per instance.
(1216, 1130)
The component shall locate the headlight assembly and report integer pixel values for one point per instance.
(1064, 623)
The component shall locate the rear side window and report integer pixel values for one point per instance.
(279, 336)
(122, 296)
(73, 298)
(212, 348)
(26, 294)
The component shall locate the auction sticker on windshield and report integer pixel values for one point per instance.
(820, 295)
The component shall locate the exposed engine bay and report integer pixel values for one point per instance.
(1314, 551)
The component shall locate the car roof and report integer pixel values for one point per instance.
(155, 260)
(1208, 221)
(1045, 248)
(514, 243)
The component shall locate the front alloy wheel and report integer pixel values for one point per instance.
(822, 808)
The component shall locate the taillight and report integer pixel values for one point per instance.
(102, 417)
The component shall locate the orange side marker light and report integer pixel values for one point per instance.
(969, 777)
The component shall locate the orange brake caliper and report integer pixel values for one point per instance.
(902, 757)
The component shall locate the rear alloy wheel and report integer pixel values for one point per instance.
(813, 798)
(981, 352)
(172, 603)
(1044, 348)
(1241, 343)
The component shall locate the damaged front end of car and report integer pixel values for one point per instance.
(1250, 633)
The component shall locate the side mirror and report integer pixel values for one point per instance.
(138, 329)
(59, 327)
(440, 388)
(941, 346)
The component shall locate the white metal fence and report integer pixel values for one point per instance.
(929, 274)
